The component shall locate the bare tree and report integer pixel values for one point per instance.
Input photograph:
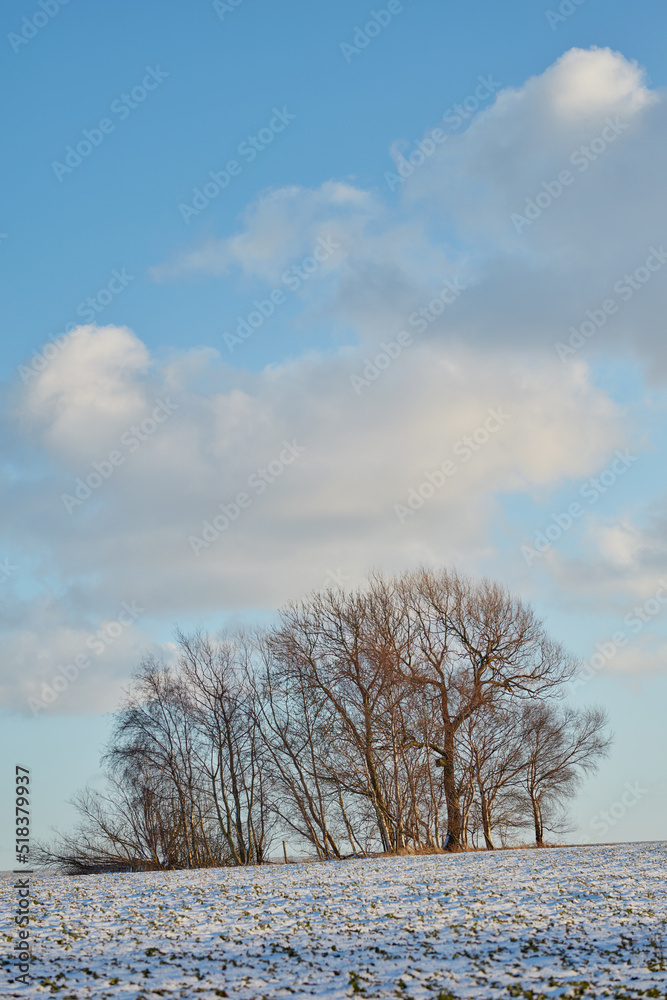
(560, 747)
(298, 732)
(155, 733)
(332, 642)
(229, 752)
(493, 742)
(134, 825)
(409, 714)
(471, 643)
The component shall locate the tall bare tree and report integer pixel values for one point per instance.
(299, 736)
(331, 640)
(472, 643)
(229, 751)
(155, 733)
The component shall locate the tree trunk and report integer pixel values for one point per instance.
(537, 817)
(453, 841)
(486, 822)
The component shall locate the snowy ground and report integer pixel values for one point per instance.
(579, 922)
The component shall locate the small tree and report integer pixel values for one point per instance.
(561, 746)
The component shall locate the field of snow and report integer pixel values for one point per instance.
(578, 922)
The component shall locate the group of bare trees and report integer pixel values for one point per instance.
(416, 712)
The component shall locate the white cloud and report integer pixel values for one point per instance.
(592, 83)
(645, 656)
(619, 544)
(334, 506)
(454, 219)
(86, 392)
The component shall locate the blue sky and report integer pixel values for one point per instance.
(113, 228)
(120, 207)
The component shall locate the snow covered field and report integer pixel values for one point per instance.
(579, 922)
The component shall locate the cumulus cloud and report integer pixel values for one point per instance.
(488, 207)
(322, 468)
(621, 558)
(86, 391)
(283, 225)
(197, 488)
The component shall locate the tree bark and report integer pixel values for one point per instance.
(537, 817)
(486, 822)
(453, 842)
